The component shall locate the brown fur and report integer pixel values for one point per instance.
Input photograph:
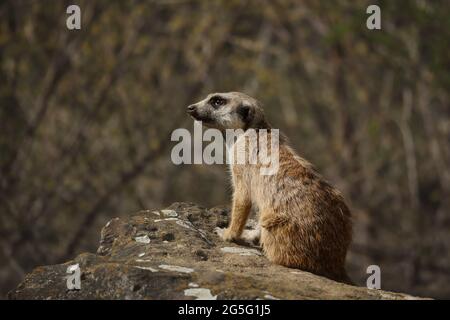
(304, 222)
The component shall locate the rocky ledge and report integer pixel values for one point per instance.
(175, 254)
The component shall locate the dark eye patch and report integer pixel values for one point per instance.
(244, 112)
(217, 101)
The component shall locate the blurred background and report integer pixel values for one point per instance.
(86, 118)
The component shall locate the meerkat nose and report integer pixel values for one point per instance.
(191, 108)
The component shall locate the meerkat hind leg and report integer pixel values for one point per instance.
(248, 237)
(252, 236)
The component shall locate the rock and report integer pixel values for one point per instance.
(175, 254)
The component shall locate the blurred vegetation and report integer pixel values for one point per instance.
(86, 118)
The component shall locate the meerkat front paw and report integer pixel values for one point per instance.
(219, 231)
(225, 234)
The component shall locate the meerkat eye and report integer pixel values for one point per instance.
(217, 101)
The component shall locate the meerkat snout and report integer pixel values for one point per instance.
(191, 108)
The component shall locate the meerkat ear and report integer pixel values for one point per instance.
(246, 112)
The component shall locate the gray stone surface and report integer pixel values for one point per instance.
(174, 254)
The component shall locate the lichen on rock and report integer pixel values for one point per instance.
(174, 254)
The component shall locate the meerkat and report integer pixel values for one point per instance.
(304, 222)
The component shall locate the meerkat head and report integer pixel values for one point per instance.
(231, 110)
